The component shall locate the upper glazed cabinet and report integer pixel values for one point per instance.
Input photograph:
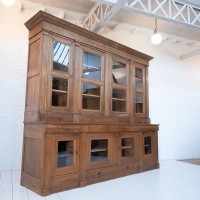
(86, 80)
(83, 76)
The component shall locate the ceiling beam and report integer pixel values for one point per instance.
(190, 54)
(177, 11)
(101, 14)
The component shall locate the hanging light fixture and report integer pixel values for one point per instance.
(156, 37)
(8, 2)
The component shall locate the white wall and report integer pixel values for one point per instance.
(13, 65)
(174, 92)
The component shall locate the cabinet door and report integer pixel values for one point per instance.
(119, 86)
(92, 81)
(128, 147)
(140, 105)
(99, 151)
(65, 156)
(60, 81)
(148, 145)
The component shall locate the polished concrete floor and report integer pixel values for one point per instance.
(175, 180)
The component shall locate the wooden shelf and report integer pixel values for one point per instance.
(127, 147)
(59, 91)
(91, 95)
(119, 99)
(65, 155)
(98, 150)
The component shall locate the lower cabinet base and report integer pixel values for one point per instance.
(62, 157)
(62, 183)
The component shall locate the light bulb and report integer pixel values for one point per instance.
(8, 2)
(156, 38)
(86, 73)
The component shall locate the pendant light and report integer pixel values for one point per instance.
(8, 2)
(156, 37)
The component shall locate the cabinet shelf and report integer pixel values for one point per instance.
(98, 150)
(91, 95)
(127, 147)
(118, 99)
(59, 91)
(65, 155)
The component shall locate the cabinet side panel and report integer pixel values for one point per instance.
(32, 157)
(34, 58)
(30, 182)
(32, 93)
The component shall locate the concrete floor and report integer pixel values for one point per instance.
(175, 180)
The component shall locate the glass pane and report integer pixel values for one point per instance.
(60, 56)
(60, 84)
(91, 89)
(59, 92)
(147, 145)
(118, 105)
(65, 154)
(118, 72)
(99, 150)
(91, 66)
(91, 103)
(118, 100)
(138, 73)
(139, 102)
(59, 99)
(138, 78)
(91, 97)
(127, 145)
(119, 94)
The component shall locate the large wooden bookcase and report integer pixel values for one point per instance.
(86, 113)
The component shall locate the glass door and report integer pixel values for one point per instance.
(119, 86)
(66, 154)
(92, 80)
(139, 107)
(99, 150)
(128, 147)
(148, 145)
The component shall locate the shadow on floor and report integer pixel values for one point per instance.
(195, 161)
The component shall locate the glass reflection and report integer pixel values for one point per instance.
(60, 56)
(118, 72)
(91, 66)
(138, 78)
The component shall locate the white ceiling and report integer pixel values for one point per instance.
(75, 11)
(82, 6)
(163, 26)
(124, 16)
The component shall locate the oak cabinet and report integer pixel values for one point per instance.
(86, 114)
